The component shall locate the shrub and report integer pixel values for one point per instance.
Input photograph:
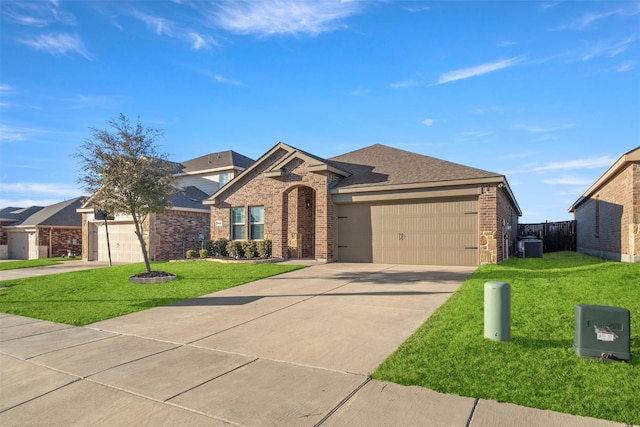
(209, 246)
(249, 248)
(263, 247)
(234, 249)
(220, 247)
(191, 253)
(203, 253)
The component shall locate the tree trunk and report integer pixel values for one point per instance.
(138, 224)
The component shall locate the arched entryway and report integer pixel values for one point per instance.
(299, 222)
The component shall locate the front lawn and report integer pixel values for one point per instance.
(28, 263)
(538, 368)
(88, 296)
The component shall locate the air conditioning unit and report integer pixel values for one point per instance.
(530, 248)
(602, 332)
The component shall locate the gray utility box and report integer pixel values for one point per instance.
(602, 332)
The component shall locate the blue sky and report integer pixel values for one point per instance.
(544, 92)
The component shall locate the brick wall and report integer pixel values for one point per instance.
(607, 223)
(60, 241)
(498, 225)
(4, 236)
(174, 232)
(284, 200)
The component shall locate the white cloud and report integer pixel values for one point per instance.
(360, 91)
(541, 129)
(58, 44)
(11, 134)
(587, 19)
(200, 41)
(160, 26)
(591, 163)
(267, 17)
(626, 66)
(406, 83)
(489, 67)
(40, 189)
(427, 122)
(37, 14)
(607, 49)
(568, 180)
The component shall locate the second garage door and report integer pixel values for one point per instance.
(426, 232)
(122, 240)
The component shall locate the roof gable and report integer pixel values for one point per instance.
(632, 156)
(381, 165)
(276, 168)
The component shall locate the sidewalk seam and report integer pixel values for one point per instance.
(473, 411)
(342, 402)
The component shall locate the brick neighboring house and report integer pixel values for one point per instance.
(41, 232)
(608, 214)
(181, 227)
(378, 204)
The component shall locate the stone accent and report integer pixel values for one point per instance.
(498, 225)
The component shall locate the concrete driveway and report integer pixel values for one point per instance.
(291, 350)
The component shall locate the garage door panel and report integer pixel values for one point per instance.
(427, 232)
(123, 242)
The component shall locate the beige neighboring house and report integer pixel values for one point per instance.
(169, 235)
(41, 232)
(378, 204)
(608, 214)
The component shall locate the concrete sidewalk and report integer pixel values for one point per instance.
(63, 267)
(291, 350)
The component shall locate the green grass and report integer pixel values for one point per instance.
(43, 262)
(538, 368)
(88, 296)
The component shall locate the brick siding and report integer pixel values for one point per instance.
(608, 222)
(293, 228)
(59, 241)
(175, 232)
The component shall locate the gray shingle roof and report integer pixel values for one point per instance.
(61, 214)
(382, 165)
(224, 159)
(14, 216)
(189, 197)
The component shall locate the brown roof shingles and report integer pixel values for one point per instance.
(382, 165)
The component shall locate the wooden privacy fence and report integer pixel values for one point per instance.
(555, 236)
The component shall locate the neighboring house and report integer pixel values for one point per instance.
(608, 214)
(12, 216)
(378, 204)
(42, 232)
(185, 225)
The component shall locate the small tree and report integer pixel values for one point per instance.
(125, 174)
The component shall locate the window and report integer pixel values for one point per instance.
(237, 224)
(256, 218)
(223, 178)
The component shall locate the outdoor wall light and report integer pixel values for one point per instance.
(308, 204)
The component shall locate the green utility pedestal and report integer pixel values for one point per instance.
(497, 311)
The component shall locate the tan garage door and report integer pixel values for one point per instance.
(123, 241)
(427, 232)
